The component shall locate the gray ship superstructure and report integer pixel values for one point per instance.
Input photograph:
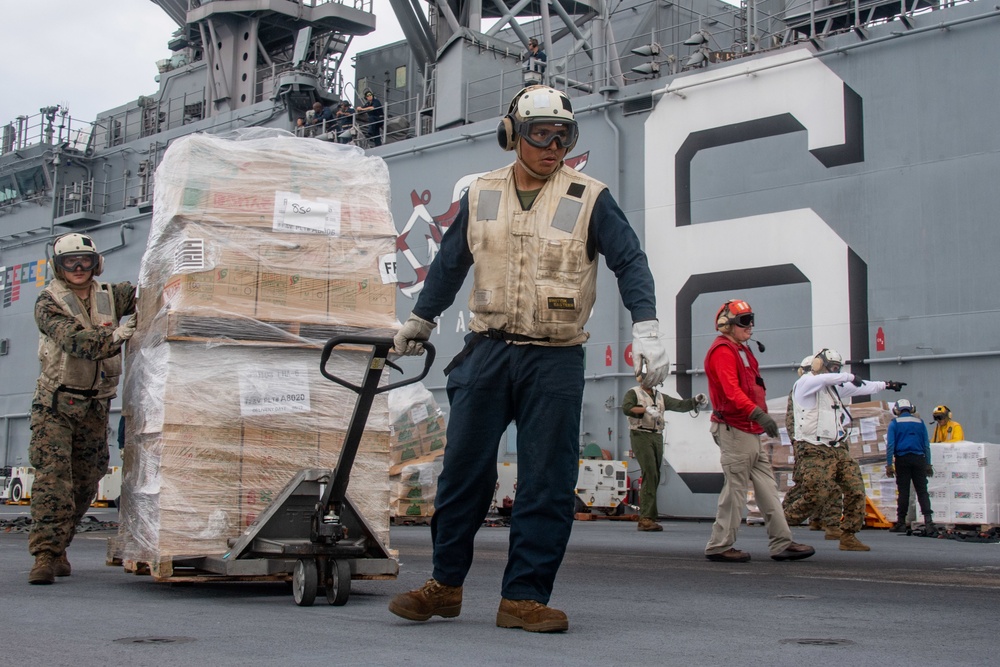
(829, 162)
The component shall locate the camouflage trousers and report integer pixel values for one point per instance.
(827, 472)
(648, 451)
(829, 515)
(69, 451)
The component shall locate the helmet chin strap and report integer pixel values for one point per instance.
(533, 174)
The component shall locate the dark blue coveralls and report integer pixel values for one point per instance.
(540, 388)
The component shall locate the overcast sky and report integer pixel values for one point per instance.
(93, 55)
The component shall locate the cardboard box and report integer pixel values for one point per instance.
(412, 508)
(278, 183)
(235, 386)
(209, 270)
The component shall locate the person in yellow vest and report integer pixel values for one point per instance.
(644, 407)
(531, 233)
(946, 429)
(80, 354)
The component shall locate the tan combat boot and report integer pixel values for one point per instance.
(531, 615)
(834, 533)
(814, 524)
(848, 542)
(42, 572)
(431, 599)
(648, 525)
(61, 566)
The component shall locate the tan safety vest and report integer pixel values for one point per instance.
(62, 370)
(532, 276)
(644, 421)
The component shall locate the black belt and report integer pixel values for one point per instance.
(647, 430)
(492, 334)
(86, 393)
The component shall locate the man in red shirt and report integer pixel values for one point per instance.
(739, 416)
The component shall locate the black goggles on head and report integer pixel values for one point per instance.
(79, 261)
(542, 133)
(743, 321)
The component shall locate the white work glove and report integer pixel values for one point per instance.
(652, 412)
(124, 331)
(701, 400)
(408, 340)
(649, 355)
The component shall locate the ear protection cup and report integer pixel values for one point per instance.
(722, 316)
(505, 133)
(100, 266)
(817, 365)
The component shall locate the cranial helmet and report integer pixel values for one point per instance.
(806, 364)
(73, 252)
(901, 406)
(942, 412)
(734, 311)
(827, 359)
(535, 105)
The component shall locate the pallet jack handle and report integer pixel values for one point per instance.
(366, 396)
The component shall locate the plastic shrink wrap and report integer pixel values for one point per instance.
(262, 247)
(417, 442)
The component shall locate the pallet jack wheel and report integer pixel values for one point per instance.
(338, 583)
(305, 582)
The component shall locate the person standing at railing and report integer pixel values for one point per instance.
(343, 119)
(375, 116)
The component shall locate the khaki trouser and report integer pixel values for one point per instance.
(744, 462)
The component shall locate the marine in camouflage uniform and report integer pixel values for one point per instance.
(827, 518)
(822, 429)
(80, 354)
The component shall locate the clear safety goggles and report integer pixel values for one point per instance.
(541, 134)
(743, 321)
(77, 261)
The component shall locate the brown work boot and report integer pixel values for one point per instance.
(848, 542)
(61, 566)
(648, 525)
(531, 615)
(834, 533)
(814, 524)
(42, 572)
(431, 599)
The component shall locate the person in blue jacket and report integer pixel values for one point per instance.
(908, 459)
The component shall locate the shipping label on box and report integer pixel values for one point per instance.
(271, 389)
(314, 215)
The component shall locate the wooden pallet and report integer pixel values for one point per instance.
(249, 331)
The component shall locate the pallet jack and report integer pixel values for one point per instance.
(312, 529)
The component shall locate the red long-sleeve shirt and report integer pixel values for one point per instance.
(734, 384)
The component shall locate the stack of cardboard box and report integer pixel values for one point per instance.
(262, 247)
(417, 443)
(965, 488)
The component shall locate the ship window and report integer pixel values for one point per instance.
(8, 189)
(31, 182)
(401, 77)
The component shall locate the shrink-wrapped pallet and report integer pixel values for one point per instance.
(416, 443)
(262, 247)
